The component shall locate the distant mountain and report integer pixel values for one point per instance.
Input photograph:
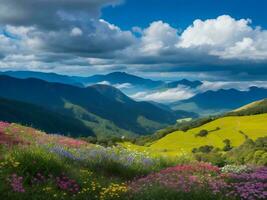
(214, 102)
(184, 82)
(119, 78)
(254, 108)
(41, 118)
(89, 104)
(49, 77)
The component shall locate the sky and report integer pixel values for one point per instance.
(210, 40)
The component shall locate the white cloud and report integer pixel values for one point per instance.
(158, 36)
(169, 95)
(123, 86)
(94, 42)
(118, 86)
(239, 85)
(104, 83)
(222, 31)
(227, 38)
(182, 93)
(76, 32)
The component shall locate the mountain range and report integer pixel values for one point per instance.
(102, 108)
(214, 102)
(114, 78)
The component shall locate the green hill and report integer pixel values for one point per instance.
(235, 128)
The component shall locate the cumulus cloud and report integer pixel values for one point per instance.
(71, 33)
(70, 27)
(159, 36)
(227, 38)
(51, 14)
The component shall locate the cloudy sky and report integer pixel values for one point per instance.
(204, 39)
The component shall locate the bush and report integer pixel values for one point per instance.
(249, 152)
(203, 149)
(202, 133)
(227, 146)
(216, 158)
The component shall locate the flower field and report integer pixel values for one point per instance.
(35, 165)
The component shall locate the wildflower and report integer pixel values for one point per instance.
(16, 182)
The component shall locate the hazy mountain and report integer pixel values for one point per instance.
(254, 108)
(50, 77)
(214, 102)
(119, 78)
(86, 103)
(184, 82)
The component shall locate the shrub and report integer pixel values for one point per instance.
(237, 169)
(227, 146)
(203, 149)
(202, 133)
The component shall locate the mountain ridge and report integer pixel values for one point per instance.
(56, 96)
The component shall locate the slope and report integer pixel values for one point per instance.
(106, 105)
(234, 128)
(41, 118)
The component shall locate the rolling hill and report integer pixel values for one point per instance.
(235, 128)
(91, 105)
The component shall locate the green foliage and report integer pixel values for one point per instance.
(203, 149)
(34, 160)
(214, 157)
(227, 146)
(202, 133)
(41, 118)
(249, 152)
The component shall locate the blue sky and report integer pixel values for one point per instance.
(170, 39)
(181, 13)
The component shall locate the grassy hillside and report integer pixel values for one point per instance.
(235, 128)
(37, 166)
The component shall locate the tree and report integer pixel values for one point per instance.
(203, 133)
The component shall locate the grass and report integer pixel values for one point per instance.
(34, 165)
(233, 128)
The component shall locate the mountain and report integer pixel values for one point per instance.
(112, 93)
(119, 78)
(214, 102)
(89, 104)
(49, 77)
(184, 82)
(41, 118)
(256, 107)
